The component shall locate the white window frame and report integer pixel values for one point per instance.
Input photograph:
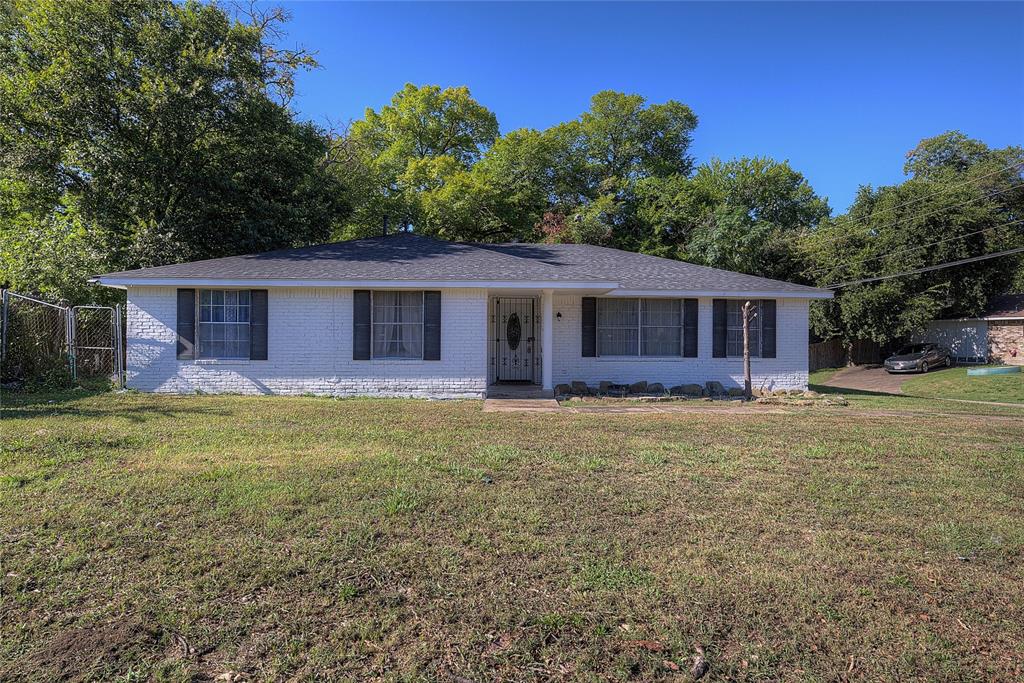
(639, 328)
(199, 323)
(755, 325)
(374, 324)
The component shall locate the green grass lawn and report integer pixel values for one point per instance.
(179, 538)
(954, 383)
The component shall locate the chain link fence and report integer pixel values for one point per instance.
(42, 343)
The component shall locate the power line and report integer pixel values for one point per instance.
(920, 246)
(925, 215)
(926, 269)
(863, 221)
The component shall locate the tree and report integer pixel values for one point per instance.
(150, 132)
(956, 204)
(602, 158)
(433, 158)
(748, 312)
(409, 149)
(744, 215)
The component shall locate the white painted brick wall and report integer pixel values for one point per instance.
(787, 371)
(309, 350)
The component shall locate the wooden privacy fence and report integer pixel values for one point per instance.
(832, 353)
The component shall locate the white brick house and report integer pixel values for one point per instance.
(405, 315)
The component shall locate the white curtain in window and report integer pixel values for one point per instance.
(397, 324)
(223, 323)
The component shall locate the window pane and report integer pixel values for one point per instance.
(398, 341)
(661, 341)
(617, 312)
(223, 323)
(661, 312)
(616, 341)
(397, 324)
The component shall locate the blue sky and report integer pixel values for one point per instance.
(841, 90)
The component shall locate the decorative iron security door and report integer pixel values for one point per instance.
(514, 337)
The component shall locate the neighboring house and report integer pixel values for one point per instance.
(406, 315)
(997, 335)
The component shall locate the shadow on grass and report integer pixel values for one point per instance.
(33, 404)
(133, 414)
(824, 389)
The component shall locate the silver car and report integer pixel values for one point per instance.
(918, 358)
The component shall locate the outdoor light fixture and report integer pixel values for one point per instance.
(558, 315)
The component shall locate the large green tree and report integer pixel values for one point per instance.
(745, 215)
(398, 156)
(962, 199)
(433, 158)
(140, 132)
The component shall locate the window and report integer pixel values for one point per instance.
(397, 322)
(639, 327)
(617, 327)
(734, 329)
(661, 327)
(223, 323)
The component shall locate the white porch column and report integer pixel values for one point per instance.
(547, 339)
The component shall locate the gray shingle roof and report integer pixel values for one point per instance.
(404, 256)
(644, 272)
(401, 256)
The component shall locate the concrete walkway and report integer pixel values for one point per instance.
(521, 405)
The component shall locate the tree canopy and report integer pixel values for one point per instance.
(962, 199)
(143, 132)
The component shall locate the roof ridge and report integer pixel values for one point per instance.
(523, 258)
(652, 256)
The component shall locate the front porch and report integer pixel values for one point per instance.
(519, 343)
(518, 391)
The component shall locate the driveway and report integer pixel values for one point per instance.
(868, 378)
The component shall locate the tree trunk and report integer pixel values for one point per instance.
(747, 391)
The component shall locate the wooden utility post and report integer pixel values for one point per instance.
(748, 315)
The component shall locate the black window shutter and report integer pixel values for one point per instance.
(186, 324)
(589, 329)
(432, 325)
(768, 328)
(361, 325)
(718, 328)
(689, 328)
(258, 324)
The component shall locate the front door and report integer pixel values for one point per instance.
(514, 339)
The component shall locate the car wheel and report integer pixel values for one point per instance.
(924, 366)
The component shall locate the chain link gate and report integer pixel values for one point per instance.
(96, 341)
(56, 344)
